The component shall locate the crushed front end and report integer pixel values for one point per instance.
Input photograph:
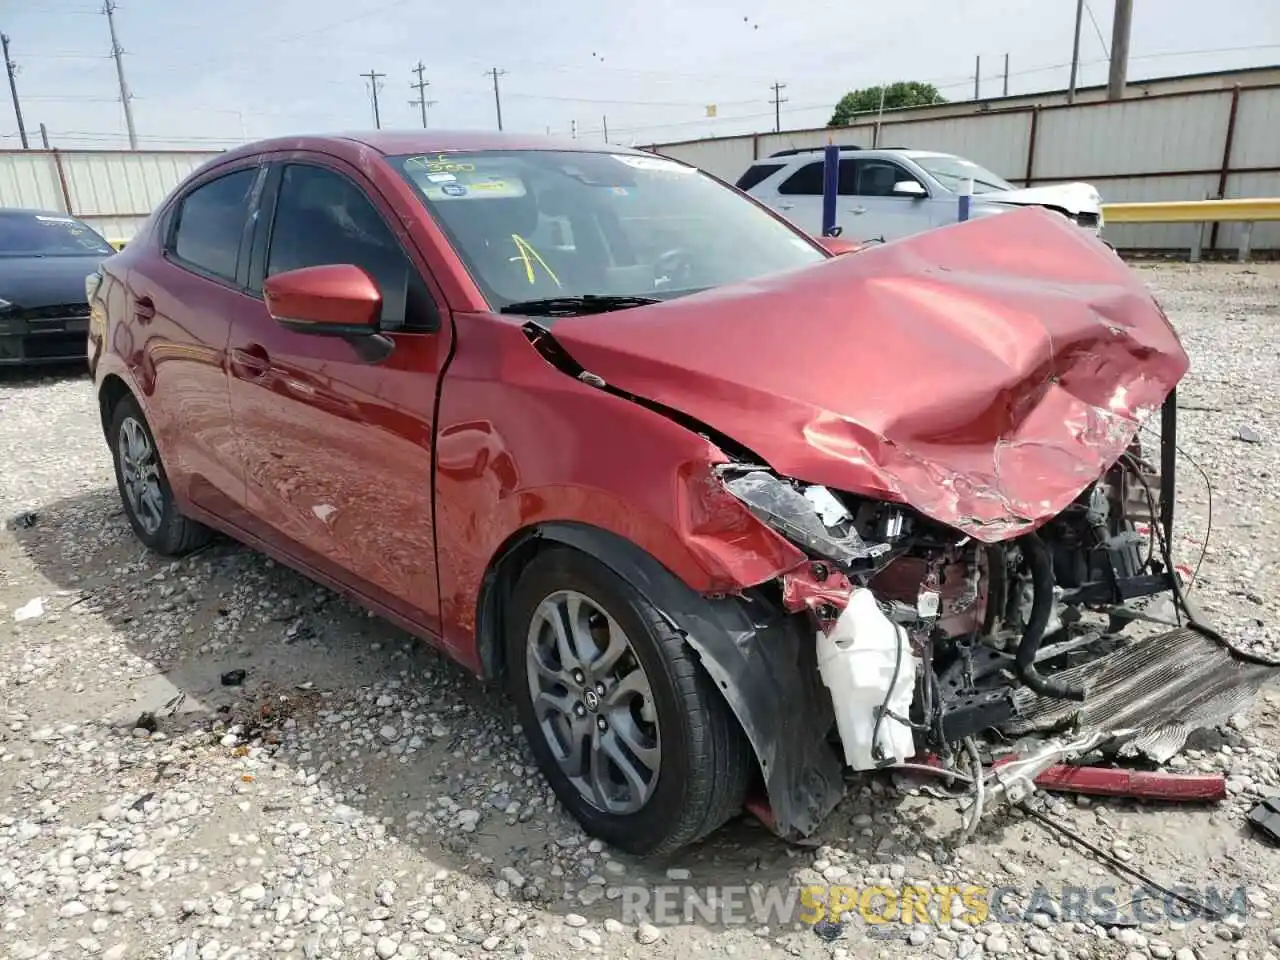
(928, 639)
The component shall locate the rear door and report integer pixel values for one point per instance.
(337, 451)
(179, 304)
(799, 198)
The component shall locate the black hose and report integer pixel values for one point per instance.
(1041, 569)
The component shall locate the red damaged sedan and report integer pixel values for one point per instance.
(731, 516)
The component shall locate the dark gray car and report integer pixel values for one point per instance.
(44, 259)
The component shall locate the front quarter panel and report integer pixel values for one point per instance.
(519, 443)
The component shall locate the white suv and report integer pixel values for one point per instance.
(891, 193)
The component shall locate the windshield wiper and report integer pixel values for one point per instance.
(568, 306)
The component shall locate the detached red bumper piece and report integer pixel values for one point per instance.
(1137, 784)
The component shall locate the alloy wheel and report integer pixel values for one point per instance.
(593, 702)
(140, 472)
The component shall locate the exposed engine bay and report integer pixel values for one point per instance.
(928, 639)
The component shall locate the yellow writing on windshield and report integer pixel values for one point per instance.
(443, 163)
(526, 253)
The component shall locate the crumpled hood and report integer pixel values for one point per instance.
(984, 373)
(1075, 198)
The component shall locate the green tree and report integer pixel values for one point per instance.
(909, 93)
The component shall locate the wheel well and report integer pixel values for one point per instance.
(112, 391)
(495, 595)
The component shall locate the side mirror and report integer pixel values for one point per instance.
(335, 299)
(837, 246)
(910, 188)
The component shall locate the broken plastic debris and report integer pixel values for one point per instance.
(1248, 434)
(30, 610)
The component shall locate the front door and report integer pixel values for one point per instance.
(337, 451)
(873, 203)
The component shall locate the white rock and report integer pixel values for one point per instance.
(386, 948)
(138, 860)
(648, 933)
(253, 892)
(30, 610)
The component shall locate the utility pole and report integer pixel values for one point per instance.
(373, 76)
(1006, 74)
(1120, 49)
(573, 129)
(117, 51)
(778, 101)
(977, 77)
(421, 86)
(604, 122)
(1075, 53)
(12, 68)
(44, 136)
(497, 98)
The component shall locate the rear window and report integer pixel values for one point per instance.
(756, 173)
(807, 181)
(48, 235)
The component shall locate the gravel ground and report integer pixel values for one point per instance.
(356, 795)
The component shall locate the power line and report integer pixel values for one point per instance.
(373, 76)
(497, 98)
(109, 8)
(421, 86)
(12, 68)
(1097, 29)
(1075, 54)
(778, 101)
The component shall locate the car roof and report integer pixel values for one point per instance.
(30, 212)
(810, 153)
(393, 142)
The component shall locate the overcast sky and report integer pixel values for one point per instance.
(207, 74)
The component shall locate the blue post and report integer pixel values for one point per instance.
(830, 188)
(966, 197)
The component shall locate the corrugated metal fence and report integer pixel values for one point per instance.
(1177, 146)
(113, 191)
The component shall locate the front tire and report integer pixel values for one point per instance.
(144, 487)
(629, 730)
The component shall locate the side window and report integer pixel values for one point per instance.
(322, 218)
(807, 181)
(877, 177)
(756, 173)
(210, 223)
(848, 184)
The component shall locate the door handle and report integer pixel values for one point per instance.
(144, 310)
(785, 206)
(251, 362)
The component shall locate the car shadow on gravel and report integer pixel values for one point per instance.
(391, 724)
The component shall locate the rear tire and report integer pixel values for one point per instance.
(643, 699)
(144, 486)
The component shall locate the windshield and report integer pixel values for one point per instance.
(532, 224)
(48, 235)
(952, 172)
